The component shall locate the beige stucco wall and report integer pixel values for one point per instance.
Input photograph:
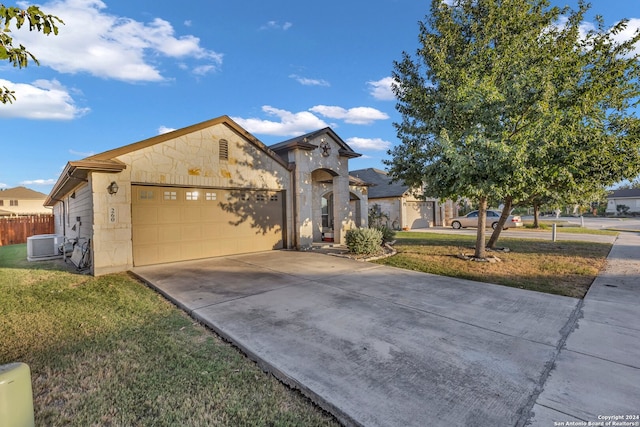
(25, 207)
(633, 203)
(394, 208)
(188, 160)
(391, 208)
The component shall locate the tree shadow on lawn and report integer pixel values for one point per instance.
(566, 268)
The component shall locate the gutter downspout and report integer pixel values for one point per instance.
(294, 206)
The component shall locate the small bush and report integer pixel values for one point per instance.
(364, 241)
(388, 234)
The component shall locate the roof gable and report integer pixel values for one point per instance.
(383, 186)
(225, 120)
(301, 142)
(108, 161)
(22, 193)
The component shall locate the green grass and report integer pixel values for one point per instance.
(110, 351)
(562, 268)
(565, 228)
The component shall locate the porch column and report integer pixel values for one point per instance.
(304, 205)
(364, 212)
(340, 207)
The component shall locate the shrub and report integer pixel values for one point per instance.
(388, 234)
(364, 241)
(622, 209)
(377, 218)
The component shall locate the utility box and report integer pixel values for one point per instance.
(16, 396)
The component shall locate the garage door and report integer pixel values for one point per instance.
(176, 224)
(420, 214)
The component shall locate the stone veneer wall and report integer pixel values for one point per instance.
(188, 160)
(307, 162)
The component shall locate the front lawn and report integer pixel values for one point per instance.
(110, 351)
(564, 268)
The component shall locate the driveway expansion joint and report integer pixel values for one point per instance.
(569, 327)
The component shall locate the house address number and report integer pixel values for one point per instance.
(113, 215)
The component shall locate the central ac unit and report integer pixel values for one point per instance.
(44, 246)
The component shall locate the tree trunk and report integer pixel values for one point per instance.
(481, 252)
(508, 203)
(536, 212)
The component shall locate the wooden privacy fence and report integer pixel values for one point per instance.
(14, 230)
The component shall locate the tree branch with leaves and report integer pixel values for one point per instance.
(32, 18)
(507, 101)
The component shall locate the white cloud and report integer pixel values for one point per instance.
(110, 46)
(309, 82)
(356, 116)
(3, 185)
(41, 100)
(632, 27)
(81, 153)
(203, 70)
(275, 25)
(164, 129)
(39, 182)
(289, 124)
(368, 143)
(382, 89)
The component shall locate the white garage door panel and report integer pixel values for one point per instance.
(177, 224)
(420, 214)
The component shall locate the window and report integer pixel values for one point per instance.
(13, 203)
(146, 194)
(244, 197)
(210, 196)
(170, 195)
(1, 202)
(327, 211)
(261, 197)
(223, 148)
(192, 195)
(273, 198)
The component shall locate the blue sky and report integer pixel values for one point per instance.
(122, 71)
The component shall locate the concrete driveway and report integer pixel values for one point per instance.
(375, 345)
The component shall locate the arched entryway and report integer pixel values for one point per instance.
(325, 210)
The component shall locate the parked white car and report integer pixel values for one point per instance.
(471, 220)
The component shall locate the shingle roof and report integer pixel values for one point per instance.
(21, 193)
(383, 185)
(633, 192)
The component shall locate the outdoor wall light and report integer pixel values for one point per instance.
(112, 188)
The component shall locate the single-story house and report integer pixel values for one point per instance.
(404, 206)
(625, 197)
(207, 190)
(22, 201)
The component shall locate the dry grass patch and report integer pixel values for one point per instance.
(563, 268)
(110, 351)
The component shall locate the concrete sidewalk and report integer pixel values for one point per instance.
(597, 372)
(380, 346)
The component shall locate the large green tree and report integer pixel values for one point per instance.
(506, 100)
(19, 56)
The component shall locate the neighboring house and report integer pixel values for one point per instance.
(626, 197)
(402, 204)
(207, 190)
(22, 201)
